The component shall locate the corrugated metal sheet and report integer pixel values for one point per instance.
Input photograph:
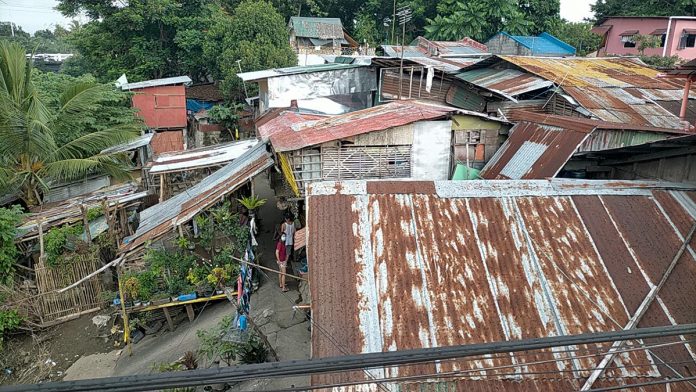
(167, 141)
(545, 44)
(156, 82)
(604, 139)
(164, 217)
(506, 82)
(610, 88)
(286, 137)
(134, 144)
(401, 265)
(323, 28)
(53, 214)
(271, 73)
(535, 151)
(200, 157)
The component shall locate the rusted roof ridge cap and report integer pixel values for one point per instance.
(509, 188)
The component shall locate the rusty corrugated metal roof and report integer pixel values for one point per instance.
(197, 158)
(54, 214)
(402, 265)
(506, 82)
(291, 131)
(536, 151)
(164, 217)
(612, 89)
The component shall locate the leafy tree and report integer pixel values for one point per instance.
(478, 19)
(256, 35)
(645, 41)
(9, 220)
(667, 62)
(30, 158)
(605, 8)
(544, 15)
(578, 35)
(145, 39)
(366, 30)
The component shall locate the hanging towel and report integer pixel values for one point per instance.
(429, 78)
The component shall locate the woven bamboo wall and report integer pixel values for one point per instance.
(85, 296)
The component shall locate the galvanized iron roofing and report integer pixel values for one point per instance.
(544, 44)
(536, 151)
(323, 28)
(619, 90)
(508, 83)
(164, 217)
(272, 73)
(156, 82)
(291, 131)
(197, 158)
(402, 265)
(136, 143)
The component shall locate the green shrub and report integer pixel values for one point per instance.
(9, 321)
(61, 240)
(9, 220)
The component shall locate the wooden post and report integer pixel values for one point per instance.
(189, 312)
(685, 99)
(170, 322)
(85, 223)
(109, 220)
(124, 314)
(124, 221)
(161, 196)
(41, 242)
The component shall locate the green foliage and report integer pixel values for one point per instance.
(9, 220)
(479, 19)
(60, 241)
(225, 114)
(144, 38)
(606, 8)
(253, 351)
(94, 213)
(131, 286)
(252, 202)
(147, 281)
(43, 41)
(366, 30)
(666, 62)
(645, 41)
(30, 156)
(256, 35)
(112, 109)
(9, 321)
(212, 346)
(172, 267)
(223, 223)
(578, 35)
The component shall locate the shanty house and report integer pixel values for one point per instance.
(616, 90)
(540, 145)
(315, 87)
(320, 35)
(676, 34)
(162, 105)
(544, 44)
(405, 265)
(423, 47)
(401, 139)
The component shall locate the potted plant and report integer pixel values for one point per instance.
(197, 278)
(184, 243)
(147, 282)
(252, 203)
(217, 277)
(132, 288)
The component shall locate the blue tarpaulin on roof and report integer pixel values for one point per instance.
(196, 106)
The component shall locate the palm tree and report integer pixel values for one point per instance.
(30, 159)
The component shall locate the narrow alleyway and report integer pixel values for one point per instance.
(271, 309)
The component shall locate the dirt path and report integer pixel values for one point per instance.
(271, 309)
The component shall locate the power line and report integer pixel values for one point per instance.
(343, 363)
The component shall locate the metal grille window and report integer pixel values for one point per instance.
(364, 162)
(628, 41)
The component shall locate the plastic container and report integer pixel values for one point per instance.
(187, 297)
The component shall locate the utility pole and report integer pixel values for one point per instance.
(239, 64)
(393, 23)
(404, 15)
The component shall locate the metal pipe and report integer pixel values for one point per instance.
(667, 40)
(685, 98)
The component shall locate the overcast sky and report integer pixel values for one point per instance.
(35, 15)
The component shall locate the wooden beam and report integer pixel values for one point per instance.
(650, 157)
(170, 322)
(41, 242)
(85, 223)
(642, 309)
(161, 195)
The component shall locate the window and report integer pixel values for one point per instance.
(663, 39)
(688, 39)
(628, 41)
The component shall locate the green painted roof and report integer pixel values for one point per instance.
(324, 28)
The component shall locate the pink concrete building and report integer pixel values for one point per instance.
(677, 35)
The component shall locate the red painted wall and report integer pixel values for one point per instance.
(162, 107)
